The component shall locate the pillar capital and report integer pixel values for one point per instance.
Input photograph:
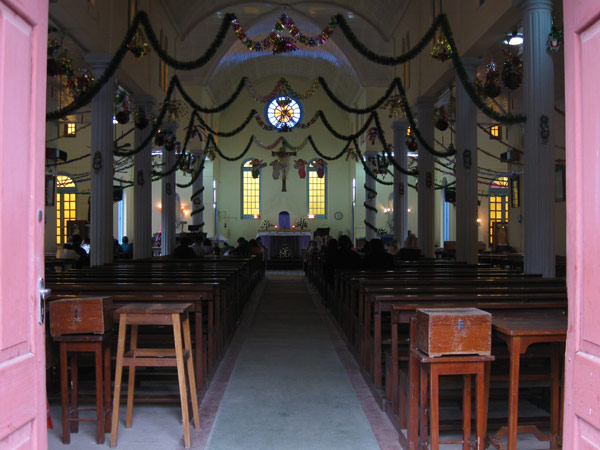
(400, 124)
(98, 61)
(527, 5)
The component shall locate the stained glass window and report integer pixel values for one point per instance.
(66, 206)
(317, 190)
(250, 191)
(498, 205)
(284, 112)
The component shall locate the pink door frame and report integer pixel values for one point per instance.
(582, 97)
(23, 44)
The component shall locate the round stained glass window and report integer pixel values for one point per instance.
(284, 112)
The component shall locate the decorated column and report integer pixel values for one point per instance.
(400, 128)
(466, 169)
(168, 197)
(426, 194)
(142, 173)
(198, 195)
(101, 198)
(538, 103)
(370, 199)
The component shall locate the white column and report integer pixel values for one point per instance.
(142, 191)
(101, 201)
(168, 197)
(466, 169)
(198, 197)
(538, 97)
(426, 194)
(400, 128)
(370, 200)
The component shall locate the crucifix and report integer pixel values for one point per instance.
(280, 166)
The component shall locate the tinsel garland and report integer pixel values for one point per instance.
(210, 141)
(281, 88)
(285, 129)
(366, 110)
(231, 133)
(164, 173)
(441, 21)
(141, 18)
(194, 176)
(386, 148)
(200, 108)
(322, 155)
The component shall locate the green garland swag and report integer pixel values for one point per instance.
(141, 18)
(233, 132)
(194, 176)
(211, 141)
(328, 158)
(441, 21)
(233, 97)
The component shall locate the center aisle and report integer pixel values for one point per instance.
(289, 388)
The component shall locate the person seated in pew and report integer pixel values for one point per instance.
(117, 249)
(66, 252)
(183, 250)
(330, 252)
(394, 247)
(243, 248)
(255, 249)
(378, 258)
(347, 257)
(84, 259)
(127, 248)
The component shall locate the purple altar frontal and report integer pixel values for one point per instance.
(276, 240)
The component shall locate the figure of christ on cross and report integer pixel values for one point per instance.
(280, 166)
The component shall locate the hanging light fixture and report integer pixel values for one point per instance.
(514, 38)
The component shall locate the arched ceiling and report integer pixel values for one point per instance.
(344, 69)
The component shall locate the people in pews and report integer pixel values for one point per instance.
(243, 248)
(183, 250)
(255, 249)
(411, 241)
(330, 250)
(394, 247)
(347, 257)
(377, 257)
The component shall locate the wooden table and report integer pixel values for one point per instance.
(519, 332)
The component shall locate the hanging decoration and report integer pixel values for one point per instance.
(512, 70)
(257, 164)
(555, 39)
(351, 154)
(97, 161)
(140, 117)
(139, 46)
(283, 44)
(373, 135)
(544, 129)
(467, 159)
(176, 109)
(122, 107)
(411, 142)
(59, 61)
(78, 82)
(441, 49)
(300, 165)
(440, 118)
(282, 88)
(491, 86)
(381, 165)
(394, 104)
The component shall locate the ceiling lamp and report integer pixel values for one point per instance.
(514, 38)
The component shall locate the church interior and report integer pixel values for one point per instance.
(437, 125)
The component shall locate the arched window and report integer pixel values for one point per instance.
(66, 206)
(498, 209)
(317, 189)
(250, 189)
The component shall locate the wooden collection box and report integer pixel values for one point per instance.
(81, 315)
(454, 331)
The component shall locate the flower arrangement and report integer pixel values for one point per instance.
(381, 231)
(265, 224)
(302, 223)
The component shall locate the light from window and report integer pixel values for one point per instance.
(498, 204)
(495, 132)
(317, 191)
(250, 192)
(66, 206)
(71, 129)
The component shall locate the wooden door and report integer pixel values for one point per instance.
(582, 96)
(23, 37)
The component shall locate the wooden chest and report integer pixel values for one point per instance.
(454, 331)
(81, 315)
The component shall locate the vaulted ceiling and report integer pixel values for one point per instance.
(372, 21)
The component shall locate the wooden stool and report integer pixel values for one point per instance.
(99, 344)
(176, 315)
(431, 368)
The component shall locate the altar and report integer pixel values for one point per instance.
(275, 240)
